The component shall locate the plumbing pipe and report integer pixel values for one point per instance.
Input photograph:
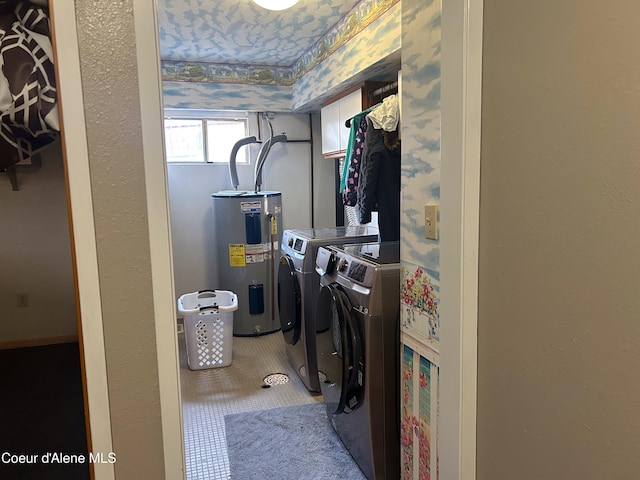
(233, 172)
(266, 148)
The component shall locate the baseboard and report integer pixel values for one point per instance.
(38, 342)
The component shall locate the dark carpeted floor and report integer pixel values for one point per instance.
(41, 411)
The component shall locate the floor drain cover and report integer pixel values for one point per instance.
(276, 379)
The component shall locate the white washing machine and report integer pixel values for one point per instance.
(358, 348)
(298, 286)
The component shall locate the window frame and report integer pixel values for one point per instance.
(203, 116)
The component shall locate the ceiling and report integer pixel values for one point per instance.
(241, 32)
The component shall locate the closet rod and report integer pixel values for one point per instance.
(375, 93)
(384, 89)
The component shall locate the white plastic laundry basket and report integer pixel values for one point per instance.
(208, 327)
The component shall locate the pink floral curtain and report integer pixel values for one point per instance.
(28, 110)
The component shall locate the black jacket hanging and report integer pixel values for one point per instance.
(379, 182)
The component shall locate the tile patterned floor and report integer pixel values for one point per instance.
(208, 395)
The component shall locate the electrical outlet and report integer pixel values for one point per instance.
(431, 222)
(22, 300)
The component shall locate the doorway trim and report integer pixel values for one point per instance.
(460, 215)
(84, 239)
(157, 190)
(81, 205)
(461, 116)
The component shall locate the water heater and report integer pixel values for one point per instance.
(248, 226)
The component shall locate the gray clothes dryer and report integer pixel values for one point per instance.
(298, 287)
(358, 348)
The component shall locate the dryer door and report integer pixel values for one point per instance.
(340, 350)
(289, 300)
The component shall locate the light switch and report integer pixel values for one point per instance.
(431, 222)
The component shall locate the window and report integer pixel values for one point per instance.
(196, 136)
(183, 140)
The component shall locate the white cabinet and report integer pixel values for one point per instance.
(350, 106)
(330, 122)
(335, 135)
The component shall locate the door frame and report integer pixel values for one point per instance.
(64, 23)
(80, 204)
(157, 190)
(459, 228)
(460, 175)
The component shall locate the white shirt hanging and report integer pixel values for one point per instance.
(386, 115)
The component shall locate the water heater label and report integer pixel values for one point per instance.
(255, 258)
(251, 207)
(236, 255)
(254, 253)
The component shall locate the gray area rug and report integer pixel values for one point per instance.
(287, 443)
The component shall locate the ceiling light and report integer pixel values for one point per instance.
(275, 4)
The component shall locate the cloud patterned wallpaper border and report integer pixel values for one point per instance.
(376, 51)
(357, 20)
(381, 41)
(200, 72)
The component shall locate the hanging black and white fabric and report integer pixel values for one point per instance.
(354, 154)
(28, 111)
(379, 179)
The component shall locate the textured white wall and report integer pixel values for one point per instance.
(559, 336)
(36, 254)
(111, 92)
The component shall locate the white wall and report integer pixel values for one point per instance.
(324, 199)
(559, 270)
(287, 170)
(130, 234)
(35, 257)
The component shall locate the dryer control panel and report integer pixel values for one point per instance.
(293, 243)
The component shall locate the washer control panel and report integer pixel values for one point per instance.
(335, 262)
(354, 270)
(357, 272)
